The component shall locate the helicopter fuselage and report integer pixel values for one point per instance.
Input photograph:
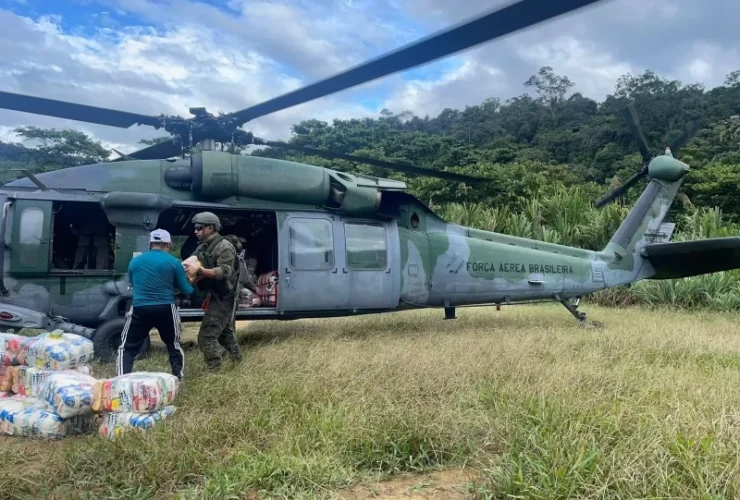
(323, 264)
(323, 243)
(333, 244)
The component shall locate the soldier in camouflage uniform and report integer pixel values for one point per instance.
(219, 276)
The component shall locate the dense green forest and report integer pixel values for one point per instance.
(551, 152)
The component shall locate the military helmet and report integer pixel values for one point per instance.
(207, 218)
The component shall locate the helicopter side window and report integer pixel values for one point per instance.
(311, 245)
(366, 246)
(415, 220)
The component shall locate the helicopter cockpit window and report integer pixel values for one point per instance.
(366, 246)
(311, 245)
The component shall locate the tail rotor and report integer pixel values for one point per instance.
(634, 123)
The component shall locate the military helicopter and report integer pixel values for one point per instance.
(327, 243)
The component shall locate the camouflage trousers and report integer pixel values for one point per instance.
(217, 332)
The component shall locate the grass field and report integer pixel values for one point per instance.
(517, 403)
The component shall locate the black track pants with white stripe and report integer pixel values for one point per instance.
(139, 322)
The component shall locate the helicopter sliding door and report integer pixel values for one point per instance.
(310, 263)
(369, 248)
(331, 263)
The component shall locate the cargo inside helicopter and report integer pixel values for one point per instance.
(84, 242)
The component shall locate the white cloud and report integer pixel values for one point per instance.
(468, 84)
(593, 47)
(146, 71)
(7, 134)
(190, 53)
(595, 71)
(709, 63)
(315, 38)
(699, 69)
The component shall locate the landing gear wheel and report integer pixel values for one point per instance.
(107, 339)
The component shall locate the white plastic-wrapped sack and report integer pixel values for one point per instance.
(135, 392)
(38, 422)
(19, 376)
(191, 264)
(6, 378)
(8, 359)
(68, 394)
(28, 380)
(114, 424)
(57, 351)
(11, 348)
(10, 407)
(11, 342)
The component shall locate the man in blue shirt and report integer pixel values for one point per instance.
(154, 276)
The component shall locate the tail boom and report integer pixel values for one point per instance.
(623, 256)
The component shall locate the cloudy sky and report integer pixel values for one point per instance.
(163, 56)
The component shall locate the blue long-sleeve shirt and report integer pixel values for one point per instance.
(154, 276)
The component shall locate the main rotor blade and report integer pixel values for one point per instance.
(634, 123)
(493, 25)
(619, 192)
(159, 151)
(400, 167)
(73, 111)
(684, 138)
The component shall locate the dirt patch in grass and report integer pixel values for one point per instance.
(452, 484)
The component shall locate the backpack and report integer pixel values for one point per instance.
(240, 263)
(240, 266)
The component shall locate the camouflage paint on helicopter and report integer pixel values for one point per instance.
(339, 244)
(423, 261)
(455, 265)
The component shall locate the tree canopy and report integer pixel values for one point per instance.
(547, 138)
(533, 145)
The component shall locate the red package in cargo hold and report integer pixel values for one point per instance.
(267, 288)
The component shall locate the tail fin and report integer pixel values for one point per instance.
(644, 223)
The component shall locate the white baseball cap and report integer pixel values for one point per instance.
(159, 236)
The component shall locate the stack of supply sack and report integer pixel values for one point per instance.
(27, 361)
(49, 391)
(134, 401)
(61, 409)
(10, 348)
(46, 380)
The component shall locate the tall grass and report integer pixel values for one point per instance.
(568, 217)
(531, 404)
